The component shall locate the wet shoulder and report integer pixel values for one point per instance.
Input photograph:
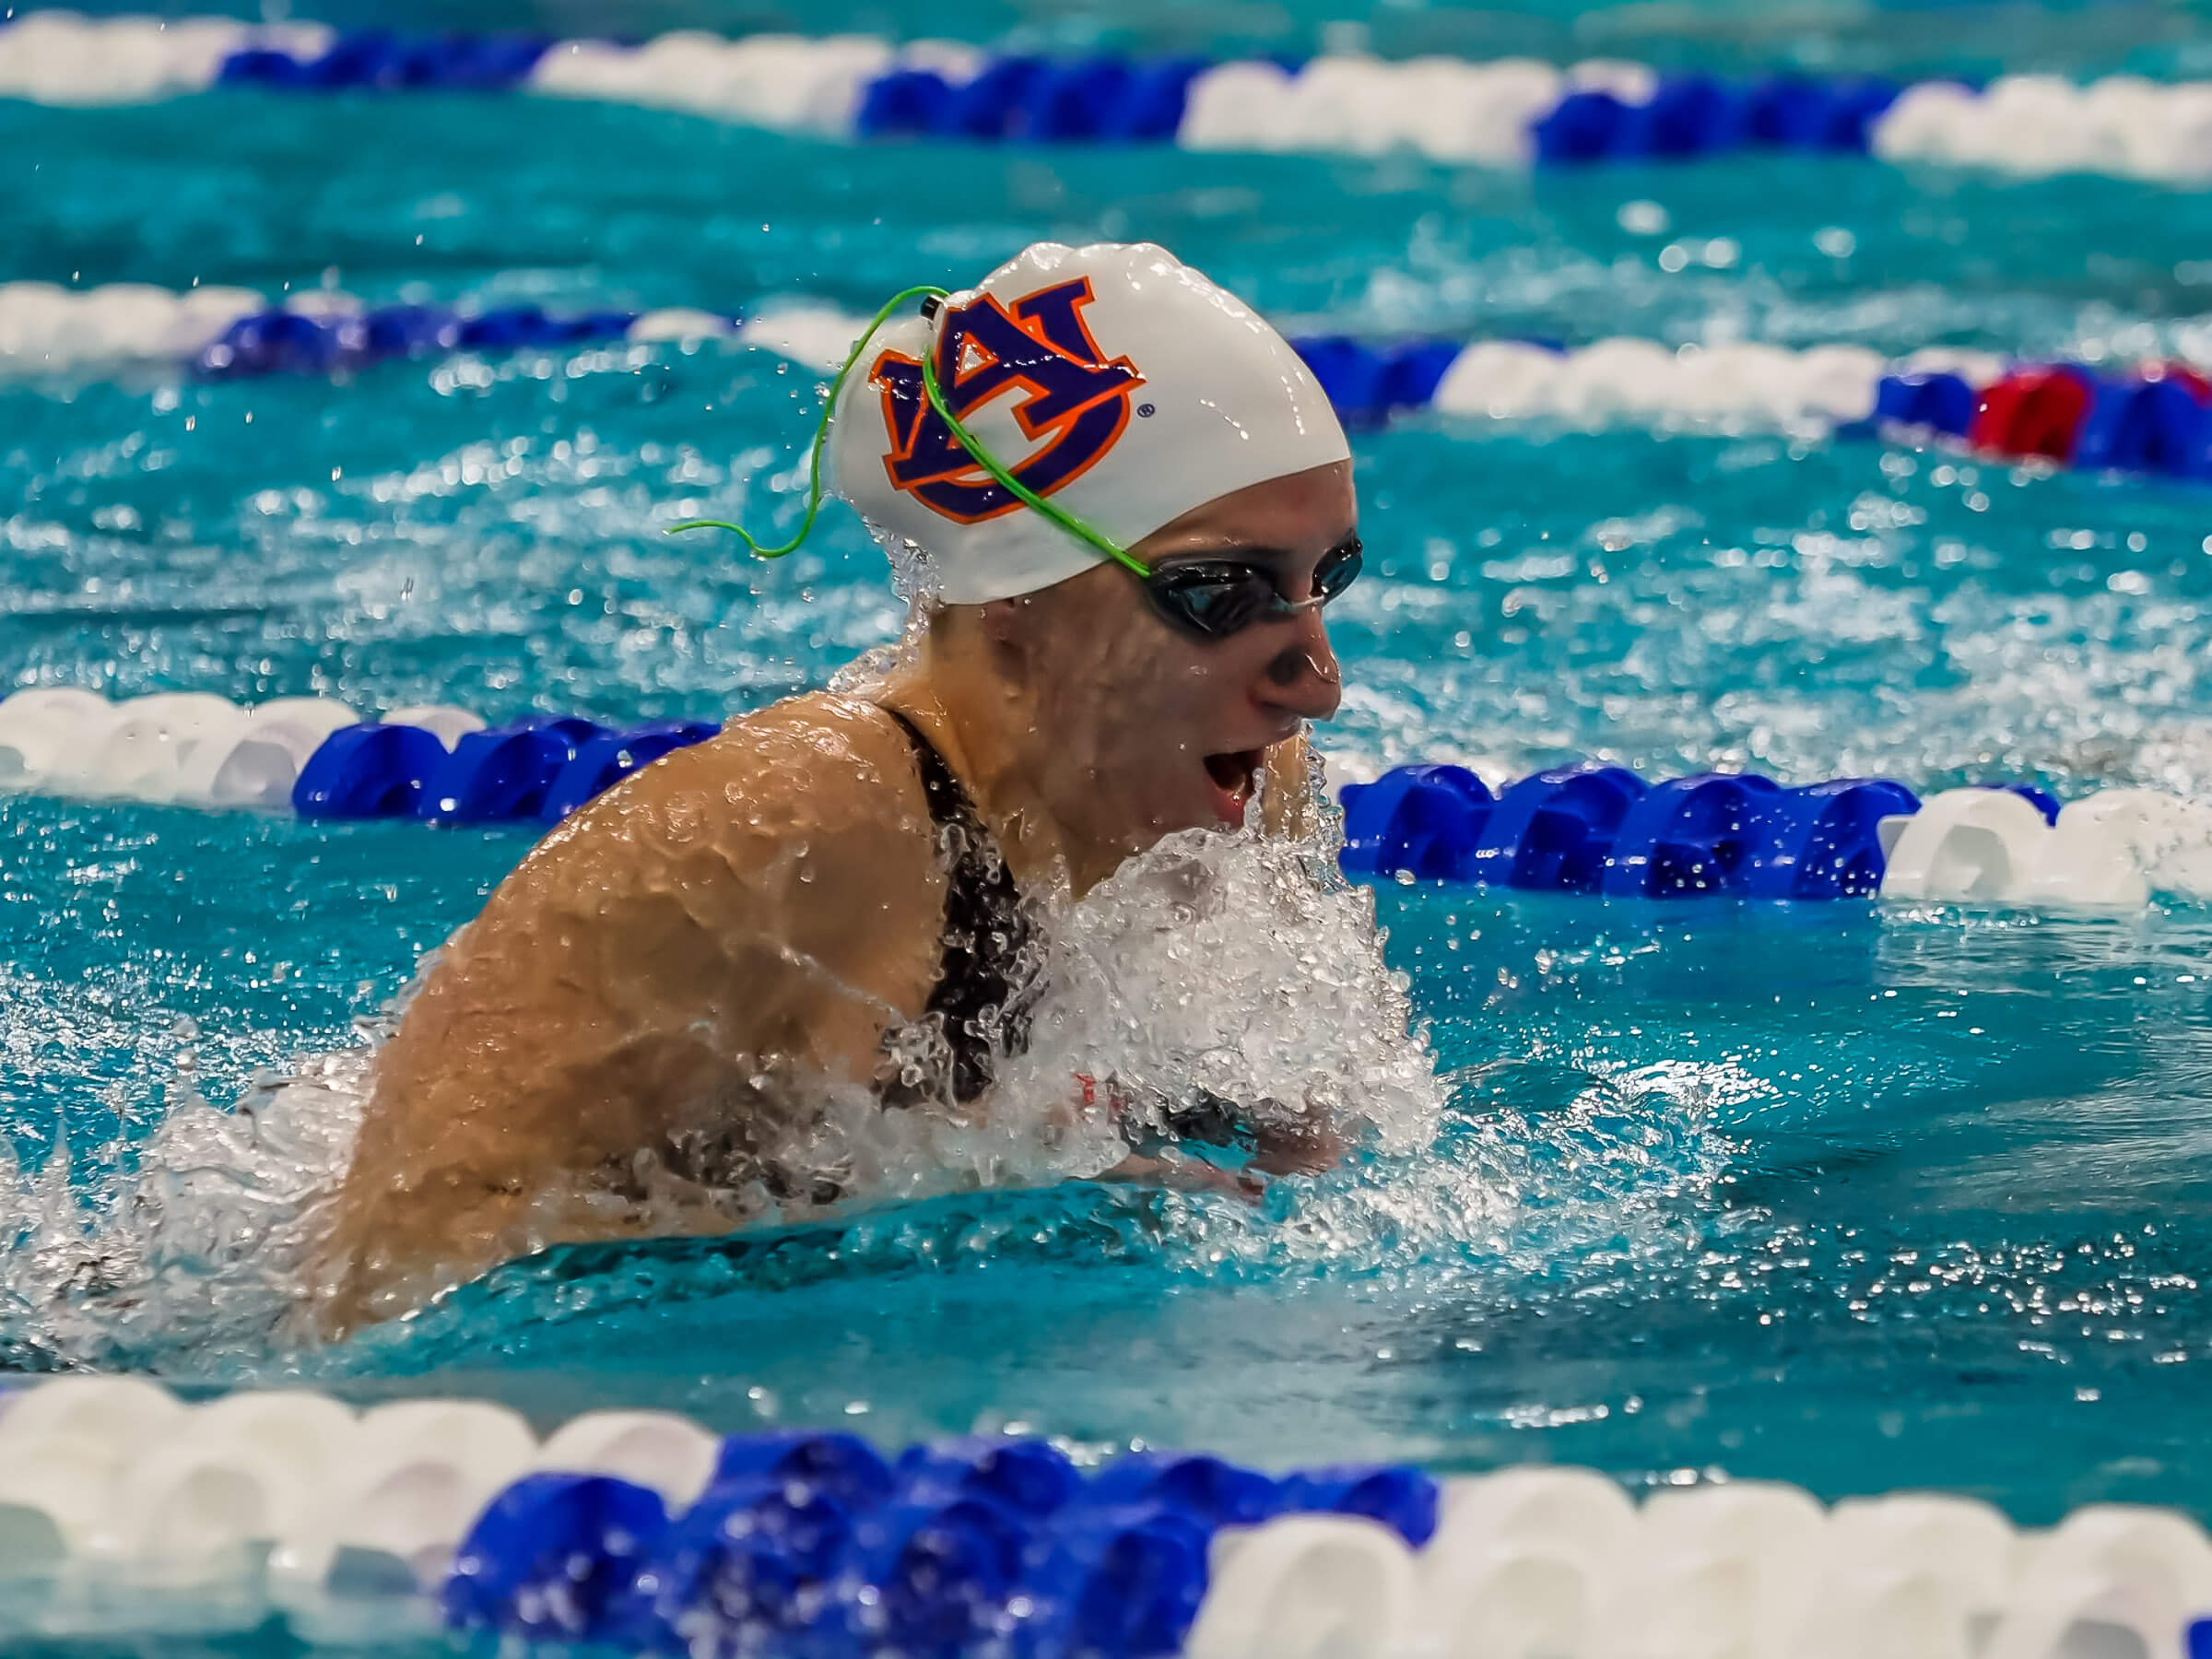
(818, 789)
(819, 762)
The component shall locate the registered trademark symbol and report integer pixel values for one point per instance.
(1145, 411)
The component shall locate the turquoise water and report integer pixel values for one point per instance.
(1855, 1197)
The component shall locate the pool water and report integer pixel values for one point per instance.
(1853, 1196)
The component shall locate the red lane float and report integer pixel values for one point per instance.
(2033, 412)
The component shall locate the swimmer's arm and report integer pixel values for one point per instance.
(688, 955)
(1178, 1172)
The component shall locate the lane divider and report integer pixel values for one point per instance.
(318, 758)
(1597, 829)
(2152, 417)
(1507, 112)
(129, 1511)
(1603, 830)
(227, 333)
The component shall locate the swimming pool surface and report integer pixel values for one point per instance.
(1853, 1196)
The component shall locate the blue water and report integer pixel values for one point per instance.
(1855, 1197)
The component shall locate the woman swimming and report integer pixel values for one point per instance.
(1128, 500)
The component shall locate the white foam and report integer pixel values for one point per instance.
(1195, 965)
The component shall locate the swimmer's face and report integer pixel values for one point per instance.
(1146, 730)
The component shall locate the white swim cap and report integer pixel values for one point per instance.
(1113, 379)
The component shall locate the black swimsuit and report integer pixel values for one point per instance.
(985, 968)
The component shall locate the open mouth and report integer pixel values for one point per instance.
(1233, 774)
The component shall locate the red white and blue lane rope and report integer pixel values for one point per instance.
(2152, 416)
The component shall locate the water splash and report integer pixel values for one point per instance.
(1243, 966)
(196, 1255)
(1230, 962)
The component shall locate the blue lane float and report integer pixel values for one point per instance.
(287, 342)
(368, 772)
(534, 770)
(380, 60)
(1694, 115)
(1602, 829)
(814, 1543)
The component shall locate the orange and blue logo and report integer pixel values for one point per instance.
(1074, 402)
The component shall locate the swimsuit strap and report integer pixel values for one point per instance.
(987, 934)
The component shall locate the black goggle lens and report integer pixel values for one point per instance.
(1337, 571)
(1216, 600)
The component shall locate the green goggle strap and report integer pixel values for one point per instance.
(990, 463)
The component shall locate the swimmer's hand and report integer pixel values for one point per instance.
(1282, 1141)
(1180, 1173)
(1308, 1145)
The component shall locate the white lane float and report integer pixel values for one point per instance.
(787, 83)
(64, 57)
(413, 1478)
(1642, 381)
(2113, 850)
(1523, 1562)
(187, 748)
(2035, 124)
(1308, 1587)
(662, 1450)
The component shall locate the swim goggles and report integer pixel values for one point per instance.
(1206, 598)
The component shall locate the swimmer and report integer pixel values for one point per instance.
(1129, 501)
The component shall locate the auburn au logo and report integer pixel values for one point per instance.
(1072, 400)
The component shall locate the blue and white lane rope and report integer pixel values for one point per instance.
(1601, 830)
(230, 333)
(1597, 829)
(129, 1512)
(1510, 113)
(318, 757)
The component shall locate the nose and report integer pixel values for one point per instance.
(1303, 676)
